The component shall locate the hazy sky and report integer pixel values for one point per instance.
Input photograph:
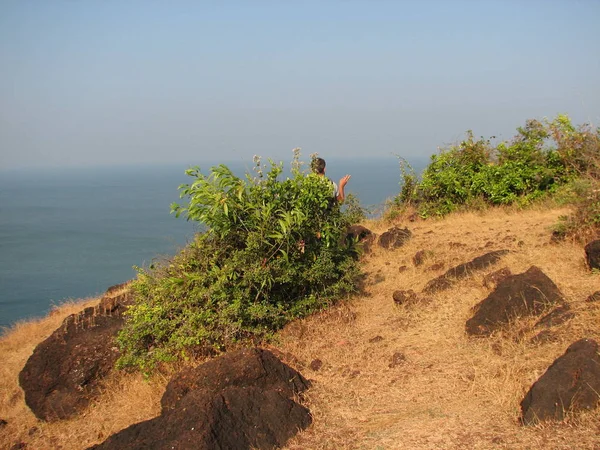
(120, 82)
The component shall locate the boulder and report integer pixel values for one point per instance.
(362, 235)
(241, 400)
(463, 270)
(592, 254)
(557, 316)
(402, 297)
(394, 238)
(525, 294)
(64, 371)
(247, 367)
(570, 384)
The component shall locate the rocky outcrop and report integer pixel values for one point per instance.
(241, 400)
(525, 294)
(570, 384)
(491, 280)
(394, 238)
(592, 254)
(463, 270)
(64, 371)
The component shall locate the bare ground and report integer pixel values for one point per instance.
(446, 390)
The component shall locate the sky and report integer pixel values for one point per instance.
(122, 82)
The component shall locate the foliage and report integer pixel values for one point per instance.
(273, 251)
(515, 172)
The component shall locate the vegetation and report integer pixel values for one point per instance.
(544, 158)
(273, 251)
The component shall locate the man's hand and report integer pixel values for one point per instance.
(342, 184)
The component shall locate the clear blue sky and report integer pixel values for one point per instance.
(125, 82)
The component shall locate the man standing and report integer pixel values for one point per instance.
(318, 167)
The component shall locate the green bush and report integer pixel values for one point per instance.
(516, 172)
(273, 251)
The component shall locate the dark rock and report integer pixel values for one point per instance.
(398, 358)
(394, 238)
(595, 297)
(557, 236)
(571, 383)
(544, 337)
(234, 418)
(463, 270)
(592, 254)
(64, 372)
(435, 267)
(19, 446)
(378, 278)
(3, 423)
(316, 364)
(419, 258)
(456, 244)
(402, 269)
(375, 339)
(491, 280)
(247, 367)
(405, 297)
(362, 235)
(525, 294)
(557, 316)
(240, 400)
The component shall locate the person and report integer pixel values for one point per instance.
(318, 166)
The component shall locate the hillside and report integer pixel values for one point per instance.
(444, 390)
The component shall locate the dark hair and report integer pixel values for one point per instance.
(318, 165)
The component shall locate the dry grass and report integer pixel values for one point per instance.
(451, 391)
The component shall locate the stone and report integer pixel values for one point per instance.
(407, 297)
(241, 400)
(592, 254)
(398, 358)
(463, 270)
(595, 297)
(316, 364)
(570, 384)
(394, 238)
(526, 294)
(491, 280)
(557, 316)
(544, 337)
(375, 339)
(419, 258)
(65, 371)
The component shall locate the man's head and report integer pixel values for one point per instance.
(318, 166)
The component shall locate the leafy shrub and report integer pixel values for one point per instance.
(515, 172)
(273, 251)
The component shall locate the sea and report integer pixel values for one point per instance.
(70, 233)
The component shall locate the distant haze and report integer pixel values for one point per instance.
(125, 82)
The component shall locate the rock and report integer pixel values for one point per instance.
(419, 258)
(405, 297)
(525, 294)
(361, 235)
(398, 358)
(571, 383)
(491, 280)
(435, 267)
(19, 446)
(3, 423)
(557, 316)
(375, 339)
(378, 278)
(247, 367)
(316, 364)
(592, 254)
(595, 297)
(402, 269)
(64, 371)
(394, 238)
(463, 270)
(241, 400)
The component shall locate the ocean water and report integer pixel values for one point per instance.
(72, 233)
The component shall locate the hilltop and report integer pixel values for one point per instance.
(384, 376)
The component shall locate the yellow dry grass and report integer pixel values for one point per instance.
(451, 391)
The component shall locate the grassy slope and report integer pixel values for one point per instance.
(451, 392)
